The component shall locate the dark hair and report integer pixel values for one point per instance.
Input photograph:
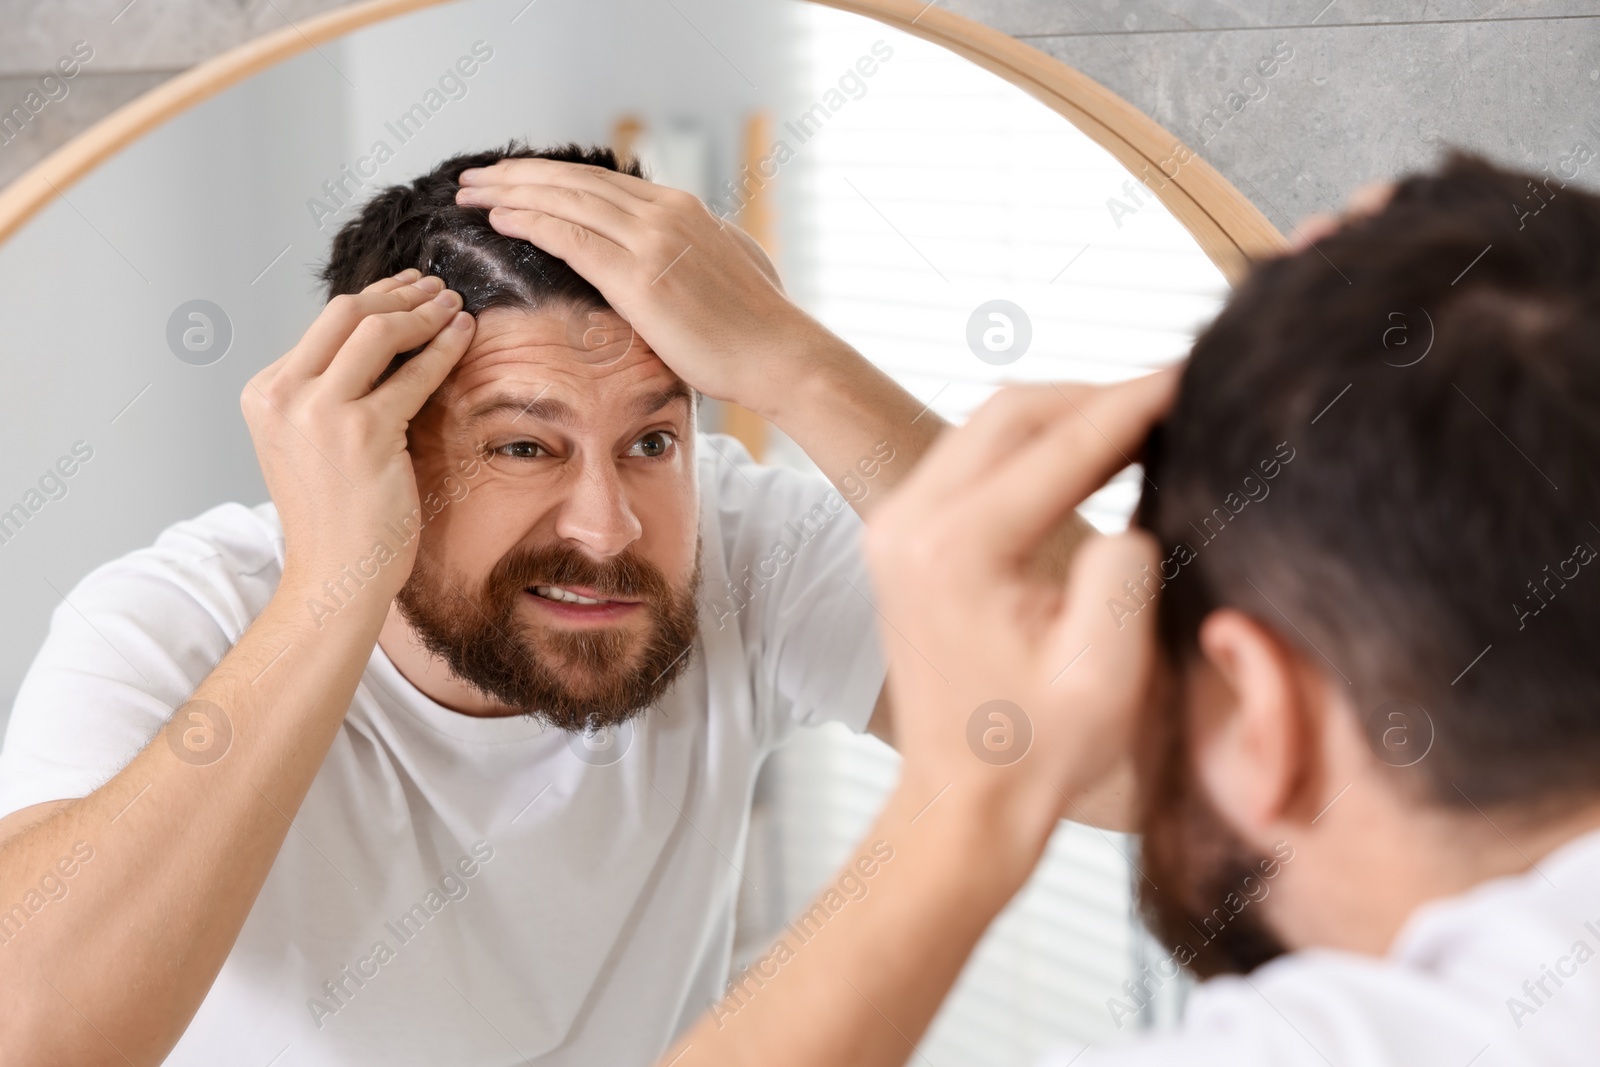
(420, 225)
(1387, 449)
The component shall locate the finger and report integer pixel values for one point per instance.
(333, 326)
(394, 281)
(1369, 199)
(960, 456)
(962, 460)
(1311, 229)
(408, 388)
(1107, 657)
(1027, 494)
(559, 172)
(379, 338)
(585, 251)
(491, 193)
(577, 206)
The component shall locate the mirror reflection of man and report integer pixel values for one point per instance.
(471, 713)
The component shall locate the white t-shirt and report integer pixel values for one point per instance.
(458, 890)
(1507, 973)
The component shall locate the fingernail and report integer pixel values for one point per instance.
(408, 274)
(467, 175)
(461, 321)
(449, 296)
(431, 284)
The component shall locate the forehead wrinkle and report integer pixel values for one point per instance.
(515, 364)
(539, 406)
(540, 341)
(656, 399)
(553, 410)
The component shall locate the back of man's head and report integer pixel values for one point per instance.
(1386, 451)
(1434, 371)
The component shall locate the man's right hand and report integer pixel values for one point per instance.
(332, 447)
(142, 941)
(974, 625)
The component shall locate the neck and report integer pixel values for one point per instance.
(431, 675)
(1358, 876)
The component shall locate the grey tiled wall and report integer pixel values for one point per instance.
(135, 45)
(1371, 88)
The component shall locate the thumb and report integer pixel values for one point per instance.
(1105, 635)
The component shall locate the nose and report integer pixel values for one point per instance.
(596, 513)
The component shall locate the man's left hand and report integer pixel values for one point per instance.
(700, 290)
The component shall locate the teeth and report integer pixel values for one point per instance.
(555, 592)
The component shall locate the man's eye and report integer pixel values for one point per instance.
(652, 445)
(519, 450)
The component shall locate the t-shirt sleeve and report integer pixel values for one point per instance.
(797, 587)
(1309, 1009)
(126, 646)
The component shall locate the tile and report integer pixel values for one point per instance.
(89, 98)
(1113, 17)
(1356, 103)
(143, 35)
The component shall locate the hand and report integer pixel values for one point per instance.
(698, 289)
(1367, 200)
(971, 620)
(333, 448)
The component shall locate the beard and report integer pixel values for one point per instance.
(1204, 871)
(577, 680)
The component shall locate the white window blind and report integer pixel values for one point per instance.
(939, 188)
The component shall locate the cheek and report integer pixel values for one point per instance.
(669, 512)
(474, 532)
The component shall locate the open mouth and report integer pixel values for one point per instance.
(576, 605)
(579, 595)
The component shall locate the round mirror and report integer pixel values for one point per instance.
(961, 209)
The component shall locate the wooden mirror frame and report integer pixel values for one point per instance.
(1227, 226)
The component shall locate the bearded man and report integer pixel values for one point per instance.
(468, 718)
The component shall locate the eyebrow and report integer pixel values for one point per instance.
(549, 409)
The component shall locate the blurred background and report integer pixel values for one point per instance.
(913, 190)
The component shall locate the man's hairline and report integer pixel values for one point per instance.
(679, 386)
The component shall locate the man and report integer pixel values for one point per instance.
(1367, 717)
(471, 713)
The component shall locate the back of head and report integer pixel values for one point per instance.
(420, 225)
(1386, 449)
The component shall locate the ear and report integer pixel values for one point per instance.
(1251, 736)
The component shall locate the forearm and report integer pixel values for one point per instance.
(863, 987)
(847, 415)
(180, 849)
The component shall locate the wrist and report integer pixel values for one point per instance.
(316, 592)
(807, 367)
(985, 842)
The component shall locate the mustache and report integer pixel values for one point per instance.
(625, 575)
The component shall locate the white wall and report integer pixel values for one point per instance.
(195, 210)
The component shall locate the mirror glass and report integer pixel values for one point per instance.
(953, 229)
